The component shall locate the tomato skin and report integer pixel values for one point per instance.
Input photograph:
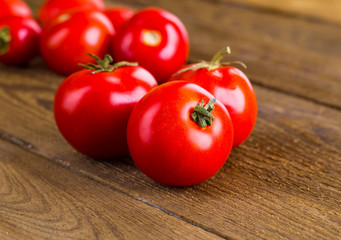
(118, 16)
(50, 9)
(232, 87)
(24, 40)
(155, 33)
(14, 8)
(92, 110)
(168, 146)
(67, 40)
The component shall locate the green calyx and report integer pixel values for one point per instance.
(214, 63)
(202, 114)
(105, 65)
(5, 39)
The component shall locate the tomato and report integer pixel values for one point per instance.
(52, 8)
(166, 142)
(154, 38)
(118, 16)
(66, 41)
(229, 85)
(92, 107)
(19, 40)
(14, 8)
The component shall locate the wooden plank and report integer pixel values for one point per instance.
(284, 182)
(40, 200)
(325, 10)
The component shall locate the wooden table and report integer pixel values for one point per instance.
(284, 182)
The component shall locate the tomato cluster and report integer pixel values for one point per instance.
(128, 91)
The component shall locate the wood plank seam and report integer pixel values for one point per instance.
(296, 95)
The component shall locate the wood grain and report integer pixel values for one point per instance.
(40, 200)
(284, 182)
(316, 9)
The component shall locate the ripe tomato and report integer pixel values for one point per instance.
(92, 107)
(66, 41)
(168, 145)
(154, 38)
(118, 16)
(19, 40)
(229, 85)
(14, 8)
(52, 8)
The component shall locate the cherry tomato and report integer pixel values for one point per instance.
(92, 107)
(19, 40)
(154, 38)
(52, 8)
(168, 144)
(66, 40)
(14, 8)
(229, 85)
(118, 16)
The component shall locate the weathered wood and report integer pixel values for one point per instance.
(314, 9)
(283, 182)
(40, 200)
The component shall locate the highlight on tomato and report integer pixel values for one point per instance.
(67, 39)
(156, 39)
(179, 135)
(92, 106)
(14, 8)
(229, 85)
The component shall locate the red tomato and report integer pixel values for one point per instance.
(118, 16)
(154, 38)
(14, 8)
(168, 145)
(19, 40)
(66, 41)
(52, 8)
(229, 85)
(92, 109)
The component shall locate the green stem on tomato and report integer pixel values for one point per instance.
(105, 65)
(202, 114)
(215, 61)
(5, 39)
(213, 64)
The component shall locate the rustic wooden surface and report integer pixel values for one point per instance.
(283, 183)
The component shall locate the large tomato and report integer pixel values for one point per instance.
(92, 107)
(19, 40)
(177, 137)
(67, 40)
(50, 9)
(229, 85)
(154, 38)
(14, 8)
